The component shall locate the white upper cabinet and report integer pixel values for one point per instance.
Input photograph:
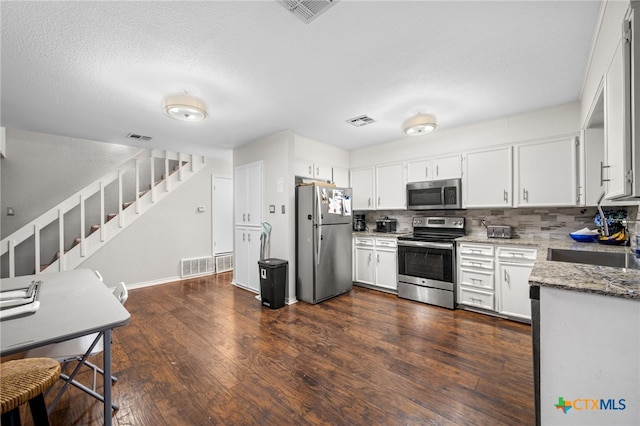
(390, 187)
(487, 178)
(341, 177)
(439, 168)
(307, 169)
(248, 194)
(617, 161)
(362, 186)
(546, 173)
(449, 167)
(419, 171)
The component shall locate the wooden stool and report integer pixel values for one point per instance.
(25, 380)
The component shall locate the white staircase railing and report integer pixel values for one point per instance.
(187, 166)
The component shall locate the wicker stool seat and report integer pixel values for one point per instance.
(25, 380)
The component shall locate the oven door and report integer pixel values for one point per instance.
(426, 263)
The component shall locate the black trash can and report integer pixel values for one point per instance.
(273, 282)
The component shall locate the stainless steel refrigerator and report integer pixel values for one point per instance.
(323, 242)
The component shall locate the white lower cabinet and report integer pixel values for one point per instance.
(245, 271)
(495, 278)
(375, 261)
(514, 265)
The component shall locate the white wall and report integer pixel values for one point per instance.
(276, 151)
(150, 249)
(321, 153)
(43, 170)
(548, 122)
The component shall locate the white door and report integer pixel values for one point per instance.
(323, 173)
(390, 187)
(546, 173)
(617, 152)
(449, 167)
(487, 178)
(386, 275)
(253, 256)
(419, 171)
(240, 270)
(362, 186)
(254, 194)
(222, 215)
(364, 265)
(240, 195)
(514, 289)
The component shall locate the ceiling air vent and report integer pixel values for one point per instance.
(307, 10)
(138, 137)
(363, 120)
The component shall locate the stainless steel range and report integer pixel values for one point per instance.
(426, 261)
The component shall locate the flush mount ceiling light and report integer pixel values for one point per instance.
(420, 124)
(185, 108)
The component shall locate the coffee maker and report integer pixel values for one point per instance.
(359, 223)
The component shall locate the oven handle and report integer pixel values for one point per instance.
(446, 246)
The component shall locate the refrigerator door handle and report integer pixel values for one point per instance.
(317, 225)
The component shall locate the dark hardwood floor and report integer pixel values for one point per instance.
(202, 351)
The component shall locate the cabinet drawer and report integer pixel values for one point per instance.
(364, 241)
(478, 298)
(476, 263)
(386, 242)
(476, 249)
(517, 253)
(479, 279)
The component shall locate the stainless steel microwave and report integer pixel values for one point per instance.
(434, 195)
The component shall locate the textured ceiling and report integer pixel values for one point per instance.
(100, 70)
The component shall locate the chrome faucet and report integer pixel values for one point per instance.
(604, 219)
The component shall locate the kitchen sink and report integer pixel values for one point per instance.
(616, 260)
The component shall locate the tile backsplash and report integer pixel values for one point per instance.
(537, 223)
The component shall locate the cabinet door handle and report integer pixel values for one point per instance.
(244, 217)
(310, 171)
(602, 179)
(317, 171)
(248, 238)
(426, 172)
(378, 256)
(369, 258)
(243, 235)
(506, 196)
(525, 195)
(248, 217)
(506, 278)
(369, 202)
(379, 203)
(437, 170)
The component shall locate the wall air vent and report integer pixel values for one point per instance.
(196, 266)
(138, 137)
(363, 120)
(307, 10)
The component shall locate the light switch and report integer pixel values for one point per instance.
(11, 211)
(272, 208)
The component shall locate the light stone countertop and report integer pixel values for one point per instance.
(616, 282)
(381, 234)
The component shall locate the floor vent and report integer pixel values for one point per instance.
(196, 266)
(224, 263)
(307, 10)
(363, 120)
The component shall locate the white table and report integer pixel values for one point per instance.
(72, 304)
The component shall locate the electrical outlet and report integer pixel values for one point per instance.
(11, 211)
(272, 208)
